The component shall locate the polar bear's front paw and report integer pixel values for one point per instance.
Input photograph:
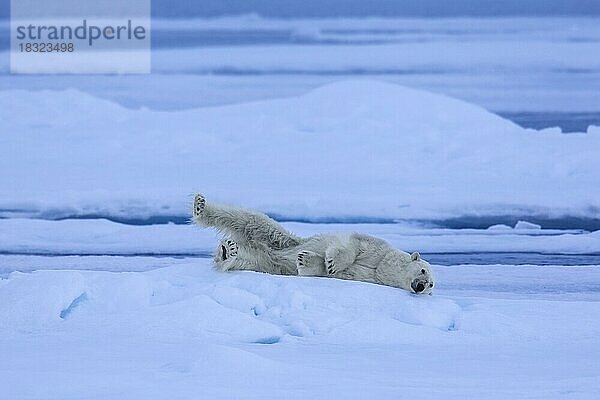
(309, 264)
(199, 205)
(303, 259)
(337, 259)
(227, 250)
(330, 266)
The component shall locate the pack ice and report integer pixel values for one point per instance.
(353, 149)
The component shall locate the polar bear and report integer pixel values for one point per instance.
(255, 242)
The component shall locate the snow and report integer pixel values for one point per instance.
(144, 315)
(94, 308)
(186, 329)
(428, 157)
(155, 320)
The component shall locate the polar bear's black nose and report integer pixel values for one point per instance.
(417, 286)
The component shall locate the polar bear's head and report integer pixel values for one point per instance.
(406, 271)
(419, 274)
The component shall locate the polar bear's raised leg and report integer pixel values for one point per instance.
(245, 227)
(340, 254)
(309, 263)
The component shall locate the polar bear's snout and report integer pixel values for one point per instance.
(418, 285)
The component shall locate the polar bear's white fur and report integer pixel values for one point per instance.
(256, 242)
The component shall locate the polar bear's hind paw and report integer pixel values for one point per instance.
(303, 259)
(199, 205)
(330, 266)
(229, 250)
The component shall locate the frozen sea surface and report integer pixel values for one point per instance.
(156, 326)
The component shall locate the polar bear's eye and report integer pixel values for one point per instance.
(431, 285)
(423, 271)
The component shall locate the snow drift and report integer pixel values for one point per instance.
(350, 149)
(187, 329)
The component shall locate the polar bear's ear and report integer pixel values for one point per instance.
(415, 256)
